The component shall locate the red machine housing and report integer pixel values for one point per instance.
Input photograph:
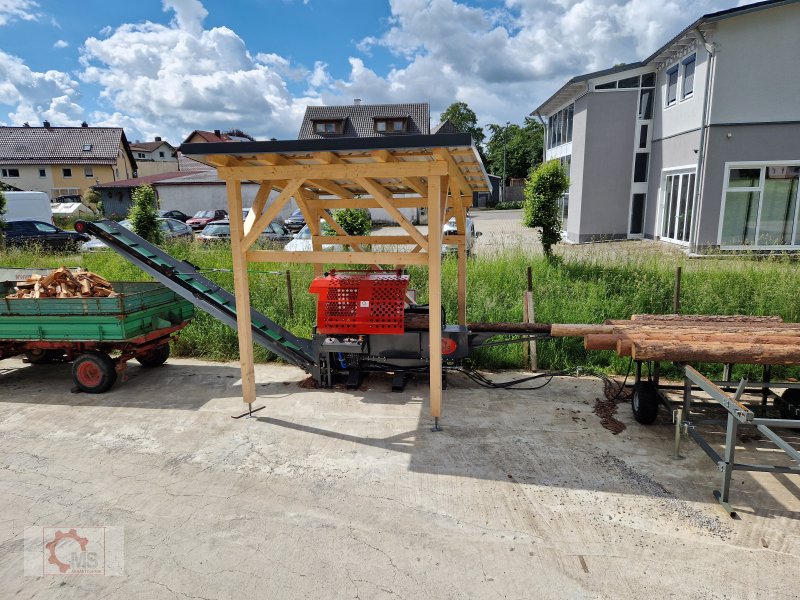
(360, 302)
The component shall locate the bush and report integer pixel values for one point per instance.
(355, 221)
(543, 190)
(143, 215)
(510, 205)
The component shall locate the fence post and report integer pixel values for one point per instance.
(529, 313)
(676, 297)
(290, 303)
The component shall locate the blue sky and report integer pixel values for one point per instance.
(165, 67)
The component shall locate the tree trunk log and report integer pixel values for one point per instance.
(577, 330)
(708, 318)
(758, 354)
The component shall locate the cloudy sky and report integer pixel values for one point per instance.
(166, 67)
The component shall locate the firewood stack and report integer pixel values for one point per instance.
(694, 338)
(63, 283)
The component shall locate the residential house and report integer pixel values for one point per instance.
(154, 157)
(365, 120)
(697, 144)
(63, 160)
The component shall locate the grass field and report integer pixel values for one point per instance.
(589, 289)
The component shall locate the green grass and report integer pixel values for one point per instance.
(589, 289)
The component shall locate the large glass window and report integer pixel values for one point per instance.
(761, 206)
(559, 127)
(677, 212)
(646, 104)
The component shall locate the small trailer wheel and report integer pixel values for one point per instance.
(155, 357)
(789, 405)
(39, 356)
(645, 402)
(94, 372)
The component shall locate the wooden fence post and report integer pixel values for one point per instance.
(289, 292)
(529, 314)
(676, 297)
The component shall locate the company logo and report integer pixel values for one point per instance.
(73, 551)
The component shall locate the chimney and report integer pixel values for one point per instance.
(158, 138)
(46, 124)
(26, 124)
(84, 124)
(217, 133)
(357, 101)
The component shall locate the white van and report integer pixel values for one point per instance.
(28, 206)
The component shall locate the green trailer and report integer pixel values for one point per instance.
(97, 335)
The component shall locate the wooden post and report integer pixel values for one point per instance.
(676, 297)
(529, 311)
(242, 291)
(462, 281)
(436, 187)
(289, 301)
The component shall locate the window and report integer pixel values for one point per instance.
(390, 125)
(44, 227)
(637, 214)
(646, 104)
(688, 77)
(628, 83)
(160, 155)
(88, 172)
(761, 206)
(559, 127)
(140, 155)
(643, 136)
(87, 147)
(649, 80)
(678, 202)
(672, 85)
(66, 172)
(611, 85)
(42, 173)
(328, 127)
(640, 167)
(10, 172)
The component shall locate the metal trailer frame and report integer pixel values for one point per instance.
(739, 415)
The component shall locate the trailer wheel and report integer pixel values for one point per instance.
(645, 402)
(94, 372)
(40, 356)
(155, 357)
(790, 403)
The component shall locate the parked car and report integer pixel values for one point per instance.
(221, 231)
(295, 222)
(204, 217)
(301, 242)
(174, 214)
(170, 230)
(49, 237)
(450, 228)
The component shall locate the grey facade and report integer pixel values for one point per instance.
(697, 145)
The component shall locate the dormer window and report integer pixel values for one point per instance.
(87, 147)
(390, 124)
(330, 127)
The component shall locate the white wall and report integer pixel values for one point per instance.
(190, 198)
(757, 77)
(29, 178)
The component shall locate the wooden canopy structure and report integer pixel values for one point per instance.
(438, 173)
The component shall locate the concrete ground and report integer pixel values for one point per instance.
(337, 494)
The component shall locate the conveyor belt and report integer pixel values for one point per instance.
(182, 277)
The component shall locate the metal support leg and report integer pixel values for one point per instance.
(687, 396)
(765, 390)
(656, 373)
(638, 372)
(726, 466)
(678, 416)
(727, 369)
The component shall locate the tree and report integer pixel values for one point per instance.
(93, 199)
(464, 119)
(355, 221)
(543, 190)
(523, 148)
(240, 133)
(143, 215)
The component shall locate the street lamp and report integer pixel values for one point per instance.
(503, 186)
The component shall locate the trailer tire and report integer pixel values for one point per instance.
(43, 357)
(94, 372)
(645, 402)
(155, 357)
(789, 405)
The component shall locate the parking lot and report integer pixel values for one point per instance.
(348, 494)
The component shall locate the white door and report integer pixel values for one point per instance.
(678, 207)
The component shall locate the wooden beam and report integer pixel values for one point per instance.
(454, 171)
(332, 188)
(405, 240)
(437, 186)
(241, 287)
(336, 171)
(371, 202)
(385, 200)
(345, 258)
(269, 215)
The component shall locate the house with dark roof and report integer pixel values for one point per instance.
(63, 160)
(158, 156)
(365, 120)
(696, 145)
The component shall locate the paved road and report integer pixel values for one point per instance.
(334, 494)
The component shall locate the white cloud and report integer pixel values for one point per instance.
(61, 44)
(37, 96)
(18, 10)
(171, 79)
